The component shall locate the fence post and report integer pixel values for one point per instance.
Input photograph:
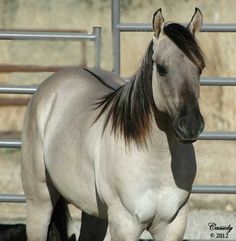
(97, 31)
(116, 35)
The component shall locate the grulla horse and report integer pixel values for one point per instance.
(119, 151)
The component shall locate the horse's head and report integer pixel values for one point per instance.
(178, 63)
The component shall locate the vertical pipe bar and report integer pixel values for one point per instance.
(116, 35)
(98, 44)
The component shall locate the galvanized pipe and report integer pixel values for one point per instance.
(214, 189)
(12, 198)
(218, 81)
(10, 143)
(197, 189)
(18, 89)
(116, 35)
(97, 31)
(40, 35)
(227, 136)
(30, 89)
(118, 27)
(144, 27)
(211, 81)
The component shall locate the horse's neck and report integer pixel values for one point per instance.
(180, 157)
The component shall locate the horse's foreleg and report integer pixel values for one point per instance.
(92, 228)
(41, 196)
(123, 226)
(41, 199)
(38, 219)
(173, 231)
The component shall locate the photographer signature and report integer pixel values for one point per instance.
(214, 227)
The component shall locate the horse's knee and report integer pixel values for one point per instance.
(177, 227)
(123, 226)
(173, 231)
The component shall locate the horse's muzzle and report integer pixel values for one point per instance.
(188, 128)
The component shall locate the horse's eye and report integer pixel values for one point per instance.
(200, 71)
(161, 70)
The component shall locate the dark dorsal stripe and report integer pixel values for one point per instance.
(107, 82)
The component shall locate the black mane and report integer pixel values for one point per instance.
(130, 108)
(186, 42)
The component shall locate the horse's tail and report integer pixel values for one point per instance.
(58, 227)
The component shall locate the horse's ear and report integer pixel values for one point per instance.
(196, 22)
(157, 22)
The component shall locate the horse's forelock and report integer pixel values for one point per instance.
(186, 42)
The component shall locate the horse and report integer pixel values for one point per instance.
(119, 151)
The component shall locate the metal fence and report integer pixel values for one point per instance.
(118, 27)
(95, 36)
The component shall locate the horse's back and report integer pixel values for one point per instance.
(79, 81)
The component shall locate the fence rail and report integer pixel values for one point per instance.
(7, 68)
(10, 143)
(95, 36)
(226, 136)
(215, 135)
(218, 81)
(197, 189)
(18, 89)
(30, 89)
(118, 27)
(214, 189)
(46, 35)
(144, 27)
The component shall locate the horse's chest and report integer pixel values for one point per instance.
(163, 204)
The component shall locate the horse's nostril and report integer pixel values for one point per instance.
(202, 124)
(189, 127)
(182, 125)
